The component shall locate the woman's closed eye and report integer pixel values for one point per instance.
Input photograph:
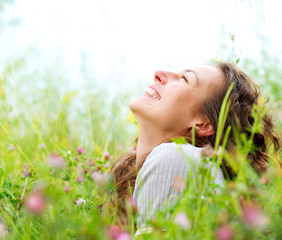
(185, 78)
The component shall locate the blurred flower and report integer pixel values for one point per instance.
(26, 167)
(179, 183)
(101, 179)
(67, 188)
(11, 147)
(219, 150)
(208, 151)
(80, 150)
(79, 201)
(123, 236)
(56, 161)
(90, 162)
(224, 232)
(114, 231)
(111, 157)
(133, 205)
(35, 202)
(254, 216)
(69, 152)
(3, 231)
(132, 148)
(42, 145)
(107, 165)
(264, 179)
(26, 173)
(80, 178)
(106, 155)
(182, 220)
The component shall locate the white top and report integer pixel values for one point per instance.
(153, 187)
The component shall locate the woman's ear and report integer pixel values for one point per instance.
(204, 128)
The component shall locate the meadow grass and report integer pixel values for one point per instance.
(57, 146)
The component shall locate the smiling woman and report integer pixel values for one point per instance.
(172, 107)
(178, 105)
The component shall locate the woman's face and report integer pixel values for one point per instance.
(173, 102)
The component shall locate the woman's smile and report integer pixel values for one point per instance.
(152, 92)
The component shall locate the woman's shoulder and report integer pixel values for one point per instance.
(172, 149)
(172, 153)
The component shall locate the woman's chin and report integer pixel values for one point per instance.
(140, 103)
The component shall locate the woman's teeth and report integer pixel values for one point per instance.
(152, 93)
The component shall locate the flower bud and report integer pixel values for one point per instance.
(224, 233)
(182, 220)
(80, 201)
(36, 203)
(179, 183)
(114, 231)
(80, 150)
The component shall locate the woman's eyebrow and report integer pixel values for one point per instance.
(189, 70)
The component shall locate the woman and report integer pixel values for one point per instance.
(174, 105)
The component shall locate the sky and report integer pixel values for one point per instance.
(123, 42)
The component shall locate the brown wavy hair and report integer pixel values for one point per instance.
(244, 95)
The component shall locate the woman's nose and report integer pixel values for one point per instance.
(163, 76)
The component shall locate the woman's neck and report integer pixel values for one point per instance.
(148, 139)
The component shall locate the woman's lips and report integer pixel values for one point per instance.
(151, 91)
(156, 90)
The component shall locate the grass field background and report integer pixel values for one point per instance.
(58, 144)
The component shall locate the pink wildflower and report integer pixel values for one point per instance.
(133, 205)
(179, 183)
(26, 173)
(123, 236)
(106, 155)
(114, 231)
(107, 165)
(80, 150)
(219, 150)
(67, 188)
(42, 146)
(11, 147)
(208, 151)
(80, 178)
(132, 148)
(56, 161)
(254, 216)
(100, 178)
(224, 233)
(264, 179)
(90, 162)
(182, 220)
(80, 201)
(36, 203)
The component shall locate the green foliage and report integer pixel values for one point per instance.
(181, 140)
